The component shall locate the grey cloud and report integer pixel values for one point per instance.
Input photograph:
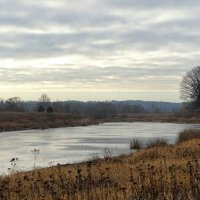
(114, 73)
(180, 27)
(98, 30)
(126, 37)
(38, 15)
(37, 45)
(153, 4)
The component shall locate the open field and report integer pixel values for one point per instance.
(156, 117)
(12, 121)
(165, 172)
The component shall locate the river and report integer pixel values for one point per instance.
(75, 144)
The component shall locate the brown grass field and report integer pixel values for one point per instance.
(170, 172)
(12, 121)
(156, 117)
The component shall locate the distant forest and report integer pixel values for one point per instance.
(97, 109)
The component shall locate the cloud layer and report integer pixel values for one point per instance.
(97, 45)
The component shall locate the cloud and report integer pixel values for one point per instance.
(93, 45)
(115, 78)
(153, 4)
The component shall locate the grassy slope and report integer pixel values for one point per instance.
(169, 172)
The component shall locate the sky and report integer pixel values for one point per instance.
(97, 49)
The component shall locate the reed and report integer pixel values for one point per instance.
(188, 135)
(159, 142)
(136, 144)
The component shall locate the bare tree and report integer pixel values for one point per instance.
(44, 98)
(14, 104)
(43, 102)
(190, 87)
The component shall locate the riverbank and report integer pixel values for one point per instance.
(13, 121)
(166, 172)
(155, 117)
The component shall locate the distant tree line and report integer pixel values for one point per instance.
(189, 90)
(96, 109)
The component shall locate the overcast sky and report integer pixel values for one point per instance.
(97, 49)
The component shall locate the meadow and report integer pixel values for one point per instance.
(161, 171)
(13, 121)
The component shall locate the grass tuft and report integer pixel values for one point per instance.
(136, 144)
(159, 142)
(188, 134)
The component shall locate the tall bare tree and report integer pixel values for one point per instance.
(43, 102)
(190, 87)
(14, 104)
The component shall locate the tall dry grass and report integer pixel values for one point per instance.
(188, 135)
(158, 142)
(136, 144)
(161, 172)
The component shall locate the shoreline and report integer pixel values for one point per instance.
(12, 121)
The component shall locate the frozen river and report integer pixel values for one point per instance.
(74, 144)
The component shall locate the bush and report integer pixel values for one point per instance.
(136, 144)
(188, 135)
(41, 109)
(159, 142)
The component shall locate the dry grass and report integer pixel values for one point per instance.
(156, 117)
(12, 121)
(136, 144)
(167, 172)
(159, 142)
(188, 135)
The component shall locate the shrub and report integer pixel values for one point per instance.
(159, 142)
(188, 135)
(136, 144)
(41, 109)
